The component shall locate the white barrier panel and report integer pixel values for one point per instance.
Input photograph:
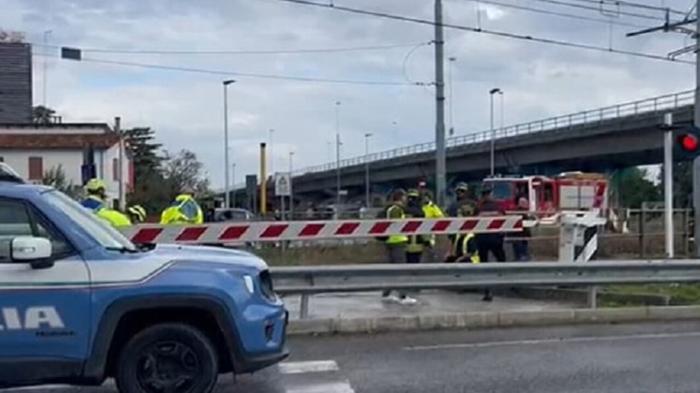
(272, 231)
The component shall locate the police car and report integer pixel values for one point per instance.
(80, 303)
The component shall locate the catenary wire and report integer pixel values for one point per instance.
(503, 34)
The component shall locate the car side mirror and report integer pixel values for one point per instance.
(33, 250)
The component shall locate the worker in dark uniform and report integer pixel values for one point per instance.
(489, 242)
(416, 243)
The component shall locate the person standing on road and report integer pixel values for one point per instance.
(430, 210)
(395, 245)
(184, 209)
(489, 242)
(520, 245)
(463, 205)
(96, 202)
(416, 243)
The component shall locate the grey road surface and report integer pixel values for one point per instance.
(603, 358)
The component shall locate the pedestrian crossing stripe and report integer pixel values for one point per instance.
(308, 367)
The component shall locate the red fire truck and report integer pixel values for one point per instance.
(551, 195)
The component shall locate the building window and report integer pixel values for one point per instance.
(115, 169)
(36, 168)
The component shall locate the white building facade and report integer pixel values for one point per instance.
(34, 149)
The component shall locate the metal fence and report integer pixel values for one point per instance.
(310, 280)
(646, 106)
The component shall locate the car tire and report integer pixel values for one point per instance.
(167, 358)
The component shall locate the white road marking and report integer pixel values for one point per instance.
(308, 367)
(335, 387)
(565, 340)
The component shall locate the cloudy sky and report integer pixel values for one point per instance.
(186, 108)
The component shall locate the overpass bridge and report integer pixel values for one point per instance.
(601, 140)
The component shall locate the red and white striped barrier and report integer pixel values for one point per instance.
(272, 231)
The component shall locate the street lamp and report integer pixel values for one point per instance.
(493, 131)
(367, 185)
(291, 188)
(233, 185)
(271, 134)
(452, 125)
(337, 156)
(227, 197)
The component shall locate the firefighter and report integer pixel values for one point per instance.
(395, 245)
(463, 206)
(137, 213)
(431, 210)
(184, 209)
(464, 249)
(489, 242)
(96, 201)
(416, 243)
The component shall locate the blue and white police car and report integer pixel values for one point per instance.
(80, 303)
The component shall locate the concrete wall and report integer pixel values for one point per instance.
(15, 83)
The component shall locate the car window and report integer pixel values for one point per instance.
(16, 220)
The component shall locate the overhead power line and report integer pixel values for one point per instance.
(245, 74)
(599, 9)
(238, 52)
(561, 14)
(633, 4)
(503, 34)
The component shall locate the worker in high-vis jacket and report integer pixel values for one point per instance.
(430, 210)
(395, 245)
(184, 209)
(416, 243)
(96, 201)
(464, 249)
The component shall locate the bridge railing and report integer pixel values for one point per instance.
(645, 106)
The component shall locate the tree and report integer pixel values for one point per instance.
(56, 178)
(682, 183)
(42, 115)
(635, 188)
(148, 190)
(183, 172)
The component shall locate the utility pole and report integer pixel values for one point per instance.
(227, 197)
(291, 188)
(668, 183)
(440, 157)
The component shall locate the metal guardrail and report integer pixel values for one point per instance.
(310, 280)
(646, 106)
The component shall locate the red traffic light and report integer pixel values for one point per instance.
(689, 142)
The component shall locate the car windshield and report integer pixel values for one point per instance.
(102, 232)
(501, 190)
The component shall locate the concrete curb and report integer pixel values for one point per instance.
(476, 320)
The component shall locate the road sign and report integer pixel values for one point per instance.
(283, 184)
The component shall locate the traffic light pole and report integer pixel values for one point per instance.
(696, 161)
(668, 183)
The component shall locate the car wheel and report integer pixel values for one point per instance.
(167, 358)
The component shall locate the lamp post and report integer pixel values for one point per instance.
(337, 156)
(291, 188)
(233, 185)
(493, 132)
(227, 197)
(367, 185)
(452, 124)
(271, 135)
